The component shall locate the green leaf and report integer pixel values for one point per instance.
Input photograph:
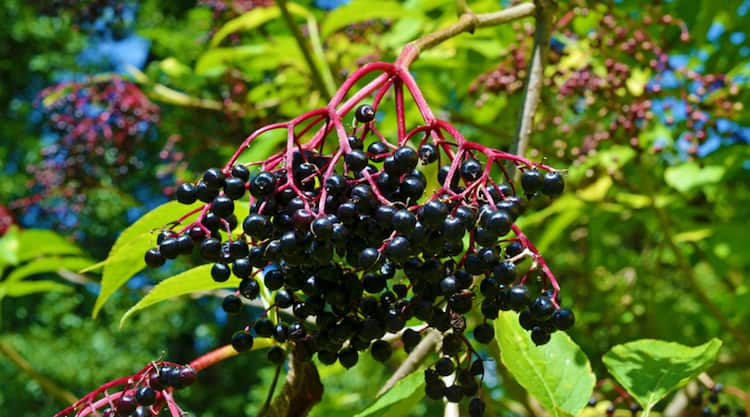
(253, 19)
(21, 288)
(215, 61)
(557, 374)
(43, 265)
(685, 177)
(359, 11)
(650, 369)
(125, 259)
(193, 280)
(406, 392)
(9, 248)
(36, 242)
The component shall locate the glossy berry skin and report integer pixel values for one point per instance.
(364, 113)
(249, 288)
(553, 184)
(145, 396)
(532, 181)
(213, 178)
(262, 184)
(563, 319)
(542, 308)
(186, 193)
(428, 153)
(153, 258)
(539, 336)
(356, 160)
(234, 188)
(519, 297)
(125, 405)
(242, 341)
(471, 170)
(241, 172)
(375, 149)
(222, 206)
(220, 272)
(381, 350)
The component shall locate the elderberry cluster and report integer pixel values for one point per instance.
(353, 248)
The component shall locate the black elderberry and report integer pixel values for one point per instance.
(444, 366)
(241, 172)
(220, 272)
(231, 304)
(284, 299)
(210, 249)
(428, 153)
(505, 272)
(398, 249)
(452, 345)
(234, 188)
(257, 226)
(222, 206)
(411, 339)
(542, 308)
(454, 393)
(281, 332)
(348, 357)
(381, 350)
(145, 396)
(434, 389)
(453, 228)
(532, 181)
(497, 221)
(356, 160)
(476, 407)
(490, 309)
(364, 113)
(368, 258)
(186, 193)
(405, 159)
(471, 170)
(539, 336)
(242, 341)
(213, 178)
(126, 404)
(262, 184)
(514, 249)
(276, 355)
(273, 279)
(519, 297)
(484, 333)
(448, 285)
(375, 149)
(442, 176)
(153, 258)
(204, 193)
(238, 249)
(432, 214)
(249, 288)
(169, 248)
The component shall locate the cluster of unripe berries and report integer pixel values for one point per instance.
(146, 397)
(352, 249)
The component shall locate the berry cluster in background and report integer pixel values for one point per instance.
(623, 69)
(351, 235)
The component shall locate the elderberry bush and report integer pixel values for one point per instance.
(355, 241)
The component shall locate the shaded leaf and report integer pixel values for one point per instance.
(9, 248)
(193, 280)
(254, 18)
(21, 288)
(36, 242)
(360, 11)
(43, 265)
(215, 60)
(650, 369)
(557, 374)
(406, 392)
(687, 176)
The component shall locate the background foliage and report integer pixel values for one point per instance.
(650, 240)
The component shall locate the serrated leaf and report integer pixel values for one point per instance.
(39, 266)
(125, 259)
(406, 390)
(193, 280)
(360, 11)
(557, 374)
(21, 288)
(650, 369)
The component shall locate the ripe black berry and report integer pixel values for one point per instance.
(145, 396)
(249, 288)
(553, 184)
(433, 213)
(411, 339)
(153, 258)
(471, 170)
(276, 355)
(273, 279)
(484, 333)
(444, 366)
(356, 160)
(284, 299)
(364, 113)
(563, 319)
(505, 272)
(532, 181)
(405, 159)
(125, 405)
(262, 184)
(169, 248)
(231, 304)
(213, 178)
(348, 357)
(452, 345)
(242, 341)
(381, 350)
(539, 336)
(186, 193)
(454, 393)
(428, 153)
(398, 249)
(234, 188)
(241, 172)
(519, 297)
(220, 272)
(377, 148)
(542, 308)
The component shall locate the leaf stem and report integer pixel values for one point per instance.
(314, 70)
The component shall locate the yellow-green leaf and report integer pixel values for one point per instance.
(193, 280)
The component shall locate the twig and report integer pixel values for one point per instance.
(301, 391)
(47, 384)
(314, 70)
(271, 390)
(533, 90)
(468, 22)
(412, 362)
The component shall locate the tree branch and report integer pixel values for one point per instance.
(412, 362)
(533, 90)
(301, 391)
(468, 22)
